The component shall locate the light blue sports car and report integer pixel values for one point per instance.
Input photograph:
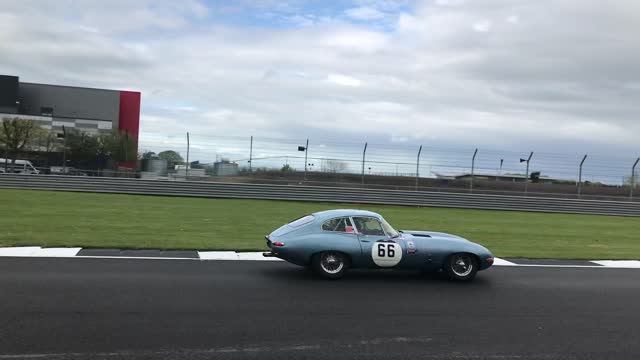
(332, 241)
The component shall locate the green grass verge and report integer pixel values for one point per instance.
(48, 218)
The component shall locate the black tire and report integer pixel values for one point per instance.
(461, 267)
(330, 264)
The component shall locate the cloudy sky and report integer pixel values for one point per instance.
(550, 75)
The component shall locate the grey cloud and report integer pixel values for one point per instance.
(564, 74)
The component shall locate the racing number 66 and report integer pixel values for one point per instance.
(386, 250)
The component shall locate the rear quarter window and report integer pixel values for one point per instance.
(302, 221)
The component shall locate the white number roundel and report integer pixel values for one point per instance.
(386, 254)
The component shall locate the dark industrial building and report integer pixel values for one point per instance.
(86, 109)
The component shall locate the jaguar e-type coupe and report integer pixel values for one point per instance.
(330, 242)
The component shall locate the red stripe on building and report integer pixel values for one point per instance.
(129, 119)
(130, 113)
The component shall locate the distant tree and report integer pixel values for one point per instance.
(45, 140)
(173, 158)
(287, 168)
(329, 165)
(117, 146)
(83, 148)
(149, 155)
(93, 151)
(15, 135)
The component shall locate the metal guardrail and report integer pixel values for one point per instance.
(318, 194)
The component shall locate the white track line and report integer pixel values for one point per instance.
(503, 262)
(256, 256)
(36, 251)
(620, 264)
(218, 255)
(564, 266)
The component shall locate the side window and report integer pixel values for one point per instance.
(368, 226)
(338, 224)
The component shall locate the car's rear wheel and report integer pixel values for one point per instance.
(461, 267)
(330, 264)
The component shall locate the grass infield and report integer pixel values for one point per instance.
(61, 219)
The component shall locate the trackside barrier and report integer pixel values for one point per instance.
(317, 193)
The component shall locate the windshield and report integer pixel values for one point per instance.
(389, 229)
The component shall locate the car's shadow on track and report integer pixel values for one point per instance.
(293, 274)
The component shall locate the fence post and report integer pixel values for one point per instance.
(418, 167)
(473, 166)
(186, 171)
(633, 178)
(580, 175)
(364, 153)
(250, 154)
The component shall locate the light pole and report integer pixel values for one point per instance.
(526, 177)
(305, 149)
(500, 170)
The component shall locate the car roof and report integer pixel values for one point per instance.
(327, 214)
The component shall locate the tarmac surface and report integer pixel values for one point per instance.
(79, 308)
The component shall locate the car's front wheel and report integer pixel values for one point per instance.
(330, 264)
(461, 267)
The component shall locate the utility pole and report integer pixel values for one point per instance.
(580, 176)
(418, 167)
(364, 152)
(500, 170)
(473, 165)
(633, 178)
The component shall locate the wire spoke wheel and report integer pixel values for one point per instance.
(462, 267)
(331, 263)
(462, 264)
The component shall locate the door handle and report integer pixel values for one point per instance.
(365, 240)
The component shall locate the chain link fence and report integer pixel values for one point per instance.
(399, 166)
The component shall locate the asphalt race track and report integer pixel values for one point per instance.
(161, 309)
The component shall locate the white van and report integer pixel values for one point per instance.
(19, 167)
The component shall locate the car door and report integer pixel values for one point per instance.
(339, 234)
(377, 248)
